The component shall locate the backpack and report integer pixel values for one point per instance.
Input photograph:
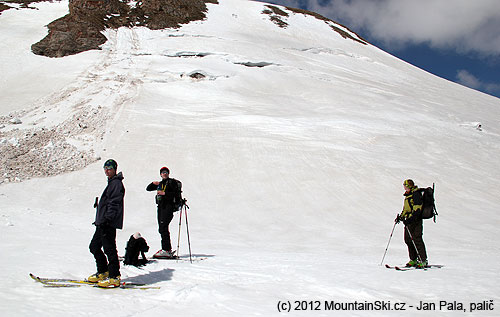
(136, 246)
(178, 200)
(428, 204)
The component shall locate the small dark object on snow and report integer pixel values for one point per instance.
(136, 245)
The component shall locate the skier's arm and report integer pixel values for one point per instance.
(152, 187)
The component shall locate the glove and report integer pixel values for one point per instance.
(398, 219)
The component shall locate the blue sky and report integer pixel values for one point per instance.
(458, 40)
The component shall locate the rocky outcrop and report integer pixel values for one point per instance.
(80, 30)
(161, 14)
(334, 25)
(3, 7)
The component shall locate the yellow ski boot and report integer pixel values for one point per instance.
(110, 282)
(95, 278)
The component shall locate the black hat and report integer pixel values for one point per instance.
(111, 163)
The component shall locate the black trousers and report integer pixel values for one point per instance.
(165, 216)
(416, 230)
(105, 238)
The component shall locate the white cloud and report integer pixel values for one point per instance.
(467, 79)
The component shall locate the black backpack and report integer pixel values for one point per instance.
(133, 249)
(178, 200)
(428, 203)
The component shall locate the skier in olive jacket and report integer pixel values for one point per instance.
(109, 217)
(412, 219)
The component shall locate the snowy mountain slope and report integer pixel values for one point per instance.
(293, 170)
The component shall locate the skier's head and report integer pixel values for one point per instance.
(110, 167)
(164, 172)
(110, 164)
(408, 184)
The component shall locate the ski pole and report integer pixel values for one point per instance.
(186, 207)
(414, 245)
(179, 236)
(386, 248)
(434, 206)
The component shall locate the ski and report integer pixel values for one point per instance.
(180, 258)
(59, 280)
(397, 268)
(176, 258)
(63, 282)
(66, 280)
(173, 257)
(406, 268)
(122, 286)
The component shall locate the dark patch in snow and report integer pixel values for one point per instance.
(199, 75)
(278, 17)
(189, 54)
(25, 4)
(255, 64)
(275, 15)
(345, 34)
(3, 7)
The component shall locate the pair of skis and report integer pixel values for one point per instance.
(176, 258)
(406, 268)
(65, 282)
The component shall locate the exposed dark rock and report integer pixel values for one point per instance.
(255, 64)
(22, 3)
(331, 23)
(161, 14)
(3, 7)
(197, 75)
(81, 29)
(190, 54)
(276, 15)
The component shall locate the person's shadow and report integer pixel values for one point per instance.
(165, 274)
(151, 277)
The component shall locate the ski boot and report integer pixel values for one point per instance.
(110, 282)
(95, 278)
(162, 254)
(412, 263)
(421, 265)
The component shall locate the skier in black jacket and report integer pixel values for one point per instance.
(166, 191)
(108, 218)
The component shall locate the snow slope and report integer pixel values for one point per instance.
(292, 170)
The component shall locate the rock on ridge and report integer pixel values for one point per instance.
(80, 30)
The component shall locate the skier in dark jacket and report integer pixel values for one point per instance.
(109, 217)
(412, 219)
(166, 191)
